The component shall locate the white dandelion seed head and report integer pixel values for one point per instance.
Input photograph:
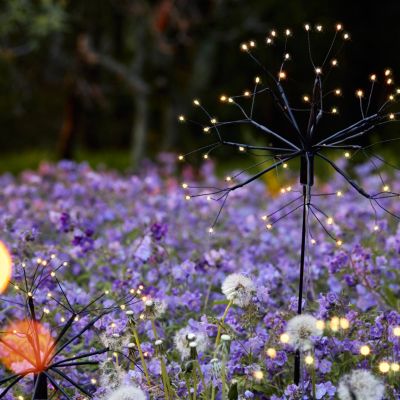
(155, 308)
(126, 393)
(114, 341)
(360, 384)
(185, 337)
(239, 289)
(300, 329)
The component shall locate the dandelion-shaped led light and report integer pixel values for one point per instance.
(305, 139)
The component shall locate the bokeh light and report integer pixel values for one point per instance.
(5, 267)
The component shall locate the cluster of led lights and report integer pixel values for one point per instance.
(247, 47)
(335, 324)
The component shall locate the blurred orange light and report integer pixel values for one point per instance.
(5, 267)
(24, 347)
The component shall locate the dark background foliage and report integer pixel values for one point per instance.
(105, 79)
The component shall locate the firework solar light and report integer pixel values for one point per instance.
(28, 348)
(308, 136)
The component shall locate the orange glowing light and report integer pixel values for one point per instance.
(25, 347)
(5, 267)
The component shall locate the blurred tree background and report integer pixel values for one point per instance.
(105, 79)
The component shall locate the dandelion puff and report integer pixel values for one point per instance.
(300, 330)
(154, 309)
(360, 384)
(114, 341)
(185, 336)
(239, 289)
(126, 393)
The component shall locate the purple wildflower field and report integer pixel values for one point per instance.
(187, 334)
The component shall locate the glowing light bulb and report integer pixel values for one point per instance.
(319, 28)
(187, 197)
(396, 331)
(309, 360)
(284, 338)
(320, 324)
(258, 375)
(230, 100)
(313, 241)
(210, 230)
(5, 267)
(181, 118)
(391, 116)
(339, 243)
(269, 227)
(334, 324)
(334, 62)
(264, 217)
(282, 75)
(273, 33)
(185, 185)
(205, 156)
(347, 154)
(387, 72)
(271, 352)
(329, 221)
(365, 350)
(287, 56)
(359, 93)
(389, 81)
(376, 228)
(372, 77)
(395, 367)
(339, 27)
(346, 36)
(257, 79)
(384, 367)
(307, 27)
(318, 70)
(386, 188)
(196, 102)
(334, 110)
(181, 157)
(252, 43)
(246, 93)
(306, 98)
(223, 98)
(288, 32)
(244, 47)
(269, 41)
(339, 193)
(213, 121)
(284, 165)
(344, 323)
(228, 179)
(338, 92)
(206, 129)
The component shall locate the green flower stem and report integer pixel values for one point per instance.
(194, 376)
(313, 379)
(164, 373)
(203, 382)
(137, 341)
(221, 321)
